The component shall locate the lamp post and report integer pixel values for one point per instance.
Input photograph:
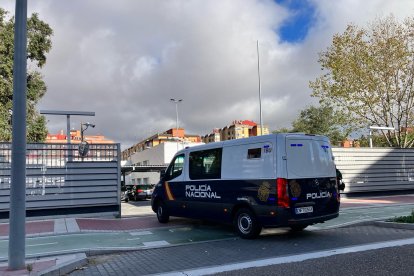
(176, 101)
(84, 146)
(377, 127)
(260, 89)
(86, 125)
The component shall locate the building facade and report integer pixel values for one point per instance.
(75, 138)
(158, 149)
(236, 130)
(159, 138)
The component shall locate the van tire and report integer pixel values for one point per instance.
(246, 224)
(162, 213)
(298, 228)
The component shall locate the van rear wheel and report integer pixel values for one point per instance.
(246, 224)
(162, 212)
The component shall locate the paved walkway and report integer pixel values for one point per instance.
(72, 235)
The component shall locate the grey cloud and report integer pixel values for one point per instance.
(126, 59)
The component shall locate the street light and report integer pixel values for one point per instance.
(176, 101)
(86, 125)
(260, 89)
(84, 146)
(377, 128)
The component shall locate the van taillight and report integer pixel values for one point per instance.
(282, 193)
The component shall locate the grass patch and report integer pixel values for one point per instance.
(405, 219)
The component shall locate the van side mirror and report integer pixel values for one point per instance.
(162, 174)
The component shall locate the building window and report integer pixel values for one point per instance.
(205, 164)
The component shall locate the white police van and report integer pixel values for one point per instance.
(278, 180)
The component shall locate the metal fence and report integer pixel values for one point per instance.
(60, 181)
(375, 169)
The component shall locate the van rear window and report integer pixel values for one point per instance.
(205, 164)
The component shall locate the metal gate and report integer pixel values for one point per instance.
(61, 182)
(375, 169)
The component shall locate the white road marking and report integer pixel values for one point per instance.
(133, 239)
(289, 259)
(40, 244)
(155, 243)
(140, 233)
(181, 229)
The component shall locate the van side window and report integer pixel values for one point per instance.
(254, 153)
(176, 167)
(205, 164)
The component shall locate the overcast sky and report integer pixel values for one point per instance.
(125, 59)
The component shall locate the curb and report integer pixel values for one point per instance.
(66, 267)
(407, 226)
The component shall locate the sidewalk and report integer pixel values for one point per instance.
(50, 264)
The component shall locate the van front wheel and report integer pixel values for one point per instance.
(246, 224)
(162, 213)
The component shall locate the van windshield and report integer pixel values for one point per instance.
(309, 158)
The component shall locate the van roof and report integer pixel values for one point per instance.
(253, 139)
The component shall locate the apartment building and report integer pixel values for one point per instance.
(170, 135)
(236, 130)
(75, 138)
(158, 149)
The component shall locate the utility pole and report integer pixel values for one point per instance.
(17, 231)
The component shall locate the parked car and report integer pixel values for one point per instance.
(125, 196)
(125, 193)
(141, 191)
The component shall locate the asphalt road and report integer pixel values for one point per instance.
(322, 249)
(380, 262)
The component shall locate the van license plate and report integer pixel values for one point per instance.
(303, 210)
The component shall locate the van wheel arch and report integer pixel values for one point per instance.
(246, 223)
(236, 208)
(163, 215)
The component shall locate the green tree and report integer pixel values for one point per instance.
(377, 141)
(369, 76)
(321, 120)
(282, 130)
(38, 44)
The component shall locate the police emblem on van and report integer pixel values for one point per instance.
(295, 189)
(264, 191)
